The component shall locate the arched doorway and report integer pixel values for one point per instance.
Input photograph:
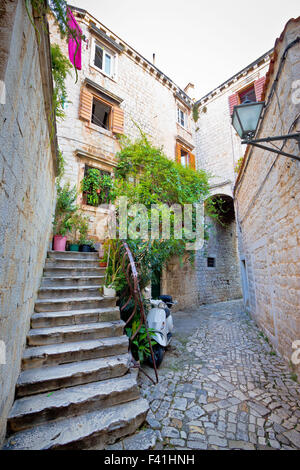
(217, 264)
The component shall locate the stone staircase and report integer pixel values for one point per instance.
(75, 390)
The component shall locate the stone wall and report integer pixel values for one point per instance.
(268, 207)
(147, 99)
(198, 284)
(27, 189)
(218, 149)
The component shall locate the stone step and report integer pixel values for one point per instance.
(73, 254)
(36, 409)
(55, 354)
(74, 317)
(66, 272)
(71, 263)
(44, 379)
(98, 428)
(74, 333)
(81, 303)
(68, 291)
(72, 281)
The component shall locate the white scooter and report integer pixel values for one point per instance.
(160, 319)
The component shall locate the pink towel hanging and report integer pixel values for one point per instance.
(73, 44)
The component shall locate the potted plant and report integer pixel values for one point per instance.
(97, 188)
(79, 224)
(90, 186)
(113, 269)
(65, 208)
(86, 245)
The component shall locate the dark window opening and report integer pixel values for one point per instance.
(211, 262)
(249, 92)
(101, 172)
(96, 186)
(98, 57)
(101, 114)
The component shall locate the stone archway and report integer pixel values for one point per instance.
(217, 264)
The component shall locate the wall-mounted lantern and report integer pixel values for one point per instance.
(245, 120)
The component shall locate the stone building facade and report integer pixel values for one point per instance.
(218, 150)
(119, 86)
(267, 200)
(27, 183)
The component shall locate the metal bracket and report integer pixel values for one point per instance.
(257, 143)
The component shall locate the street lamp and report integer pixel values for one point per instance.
(245, 120)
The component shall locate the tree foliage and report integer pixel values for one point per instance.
(146, 176)
(61, 66)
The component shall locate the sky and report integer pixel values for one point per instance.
(200, 41)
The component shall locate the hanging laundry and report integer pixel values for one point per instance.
(74, 44)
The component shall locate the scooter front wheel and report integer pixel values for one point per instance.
(158, 352)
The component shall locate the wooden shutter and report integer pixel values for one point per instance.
(117, 120)
(233, 101)
(259, 88)
(192, 161)
(86, 105)
(178, 153)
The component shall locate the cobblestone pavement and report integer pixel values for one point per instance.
(222, 386)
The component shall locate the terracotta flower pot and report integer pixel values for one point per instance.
(102, 264)
(59, 243)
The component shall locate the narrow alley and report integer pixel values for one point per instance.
(222, 386)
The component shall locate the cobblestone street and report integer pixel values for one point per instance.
(222, 386)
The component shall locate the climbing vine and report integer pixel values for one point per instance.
(59, 11)
(61, 66)
(195, 112)
(146, 176)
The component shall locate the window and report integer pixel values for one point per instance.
(181, 117)
(101, 114)
(253, 91)
(249, 93)
(102, 59)
(184, 158)
(211, 262)
(96, 187)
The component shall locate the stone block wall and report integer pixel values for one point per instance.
(196, 284)
(268, 208)
(218, 147)
(148, 101)
(27, 187)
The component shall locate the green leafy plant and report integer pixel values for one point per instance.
(65, 208)
(98, 187)
(60, 164)
(238, 165)
(59, 11)
(114, 276)
(195, 112)
(79, 227)
(145, 175)
(140, 345)
(61, 66)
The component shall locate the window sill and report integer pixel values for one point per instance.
(183, 128)
(99, 129)
(111, 77)
(94, 209)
